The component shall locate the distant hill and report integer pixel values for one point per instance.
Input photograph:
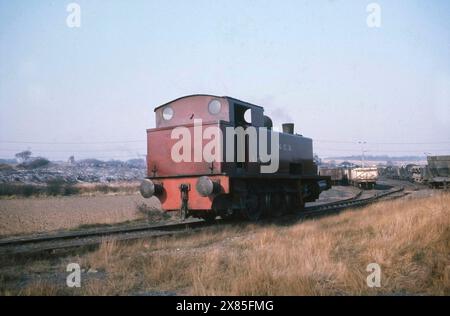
(8, 161)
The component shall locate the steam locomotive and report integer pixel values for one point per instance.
(212, 156)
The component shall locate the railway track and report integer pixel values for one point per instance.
(352, 202)
(47, 242)
(66, 240)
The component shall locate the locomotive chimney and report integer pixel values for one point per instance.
(288, 128)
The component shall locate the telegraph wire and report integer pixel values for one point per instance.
(144, 141)
(72, 143)
(73, 151)
(380, 150)
(381, 143)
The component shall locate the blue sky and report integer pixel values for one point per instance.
(315, 63)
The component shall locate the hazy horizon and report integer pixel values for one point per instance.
(91, 91)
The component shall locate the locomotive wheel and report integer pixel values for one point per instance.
(209, 217)
(265, 203)
(279, 207)
(223, 206)
(289, 200)
(295, 204)
(251, 209)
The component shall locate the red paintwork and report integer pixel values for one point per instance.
(193, 107)
(171, 199)
(172, 174)
(159, 142)
(159, 161)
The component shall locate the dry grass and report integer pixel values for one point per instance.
(409, 239)
(131, 187)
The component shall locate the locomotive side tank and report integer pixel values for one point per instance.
(211, 155)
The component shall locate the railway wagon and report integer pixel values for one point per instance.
(418, 174)
(236, 178)
(407, 172)
(438, 172)
(388, 171)
(393, 172)
(403, 173)
(338, 175)
(365, 178)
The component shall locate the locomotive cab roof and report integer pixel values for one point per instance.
(209, 96)
(208, 108)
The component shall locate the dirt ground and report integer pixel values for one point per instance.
(34, 215)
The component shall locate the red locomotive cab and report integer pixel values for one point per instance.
(192, 115)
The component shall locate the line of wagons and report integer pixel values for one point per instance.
(362, 177)
(436, 174)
